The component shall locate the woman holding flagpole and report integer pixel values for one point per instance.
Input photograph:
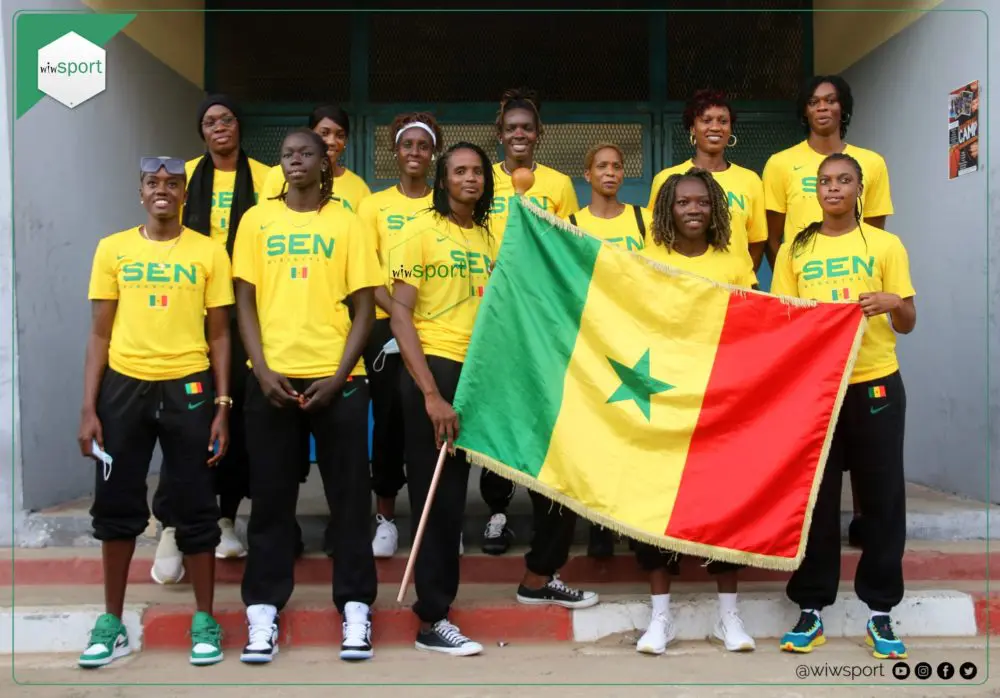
(691, 231)
(439, 273)
(416, 139)
(869, 432)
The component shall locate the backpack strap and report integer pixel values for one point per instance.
(639, 222)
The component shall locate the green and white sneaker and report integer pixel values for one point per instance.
(206, 640)
(108, 642)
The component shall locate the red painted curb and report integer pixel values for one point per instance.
(168, 626)
(987, 610)
(918, 565)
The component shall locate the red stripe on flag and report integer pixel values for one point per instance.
(747, 476)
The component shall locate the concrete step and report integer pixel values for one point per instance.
(924, 560)
(930, 515)
(57, 619)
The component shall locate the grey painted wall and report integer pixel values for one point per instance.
(11, 509)
(901, 97)
(76, 180)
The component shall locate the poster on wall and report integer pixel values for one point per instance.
(963, 130)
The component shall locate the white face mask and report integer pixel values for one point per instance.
(391, 347)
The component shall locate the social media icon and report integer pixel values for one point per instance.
(946, 670)
(923, 671)
(901, 670)
(968, 671)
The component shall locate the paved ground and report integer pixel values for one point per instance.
(536, 667)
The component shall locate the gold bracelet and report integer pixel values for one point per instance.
(224, 400)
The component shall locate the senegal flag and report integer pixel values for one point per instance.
(677, 411)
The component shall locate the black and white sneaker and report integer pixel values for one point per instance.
(357, 641)
(446, 638)
(497, 536)
(557, 593)
(262, 643)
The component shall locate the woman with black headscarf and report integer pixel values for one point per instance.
(222, 184)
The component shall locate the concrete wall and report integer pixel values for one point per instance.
(841, 37)
(901, 110)
(76, 179)
(11, 508)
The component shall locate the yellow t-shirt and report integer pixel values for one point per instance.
(790, 185)
(163, 290)
(450, 267)
(384, 215)
(621, 231)
(552, 191)
(223, 185)
(304, 265)
(839, 269)
(724, 267)
(348, 187)
(745, 194)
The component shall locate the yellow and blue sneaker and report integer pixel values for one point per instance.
(806, 634)
(882, 639)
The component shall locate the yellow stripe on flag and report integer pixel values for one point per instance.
(598, 450)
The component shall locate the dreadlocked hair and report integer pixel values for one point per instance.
(403, 120)
(440, 202)
(664, 232)
(808, 233)
(326, 173)
(520, 98)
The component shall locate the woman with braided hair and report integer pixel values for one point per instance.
(842, 258)
(691, 231)
(415, 141)
(519, 127)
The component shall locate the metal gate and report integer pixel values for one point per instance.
(617, 76)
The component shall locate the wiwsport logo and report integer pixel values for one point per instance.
(72, 69)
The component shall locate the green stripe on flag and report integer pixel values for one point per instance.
(540, 282)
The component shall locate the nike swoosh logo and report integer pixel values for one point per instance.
(442, 239)
(385, 208)
(876, 410)
(195, 405)
(121, 256)
(797, 167)
(265, 226)
(348, 393)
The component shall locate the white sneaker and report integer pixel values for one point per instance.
(660, 633)
(168, 565)
(386, 541)
(262, 640)
(229, 545)
(729, 629)
(357, 639)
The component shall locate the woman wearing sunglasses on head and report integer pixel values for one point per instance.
(159, 341)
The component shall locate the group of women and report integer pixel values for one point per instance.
(255, 308)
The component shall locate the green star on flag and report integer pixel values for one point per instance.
(637, 384)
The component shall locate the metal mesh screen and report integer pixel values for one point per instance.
(483, 135)
(474, 57)
(262, 139)
(563, 146)
(756, 142)
(255, 56)
(748, 55)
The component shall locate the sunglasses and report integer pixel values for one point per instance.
(149, 165)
